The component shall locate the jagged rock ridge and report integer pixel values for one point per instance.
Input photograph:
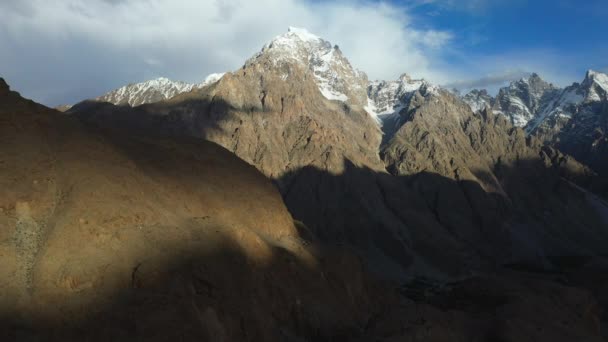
(572, 118)
(153, 91)
(333, 73)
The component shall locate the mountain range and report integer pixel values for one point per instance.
(300, 113)
(540, 108)
(389, 210)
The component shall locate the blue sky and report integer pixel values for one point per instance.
(64, 51)
(564, 37)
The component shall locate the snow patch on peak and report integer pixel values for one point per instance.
(598, 78)
(302, 33)
(478, 100)
(385, 98)
(212, 78)
(155, 90)
(595, 86)
(333, 73)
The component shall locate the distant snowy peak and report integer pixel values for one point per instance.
(153, 91)
(390, 97)
(212, 78)
(522, 99)
(595, 86)
(539, 106)
(334, 75)
(478, 100)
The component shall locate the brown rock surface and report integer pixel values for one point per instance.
(112, 237)
(496, 189)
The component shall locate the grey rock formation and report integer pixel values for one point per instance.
(524, 98)
(478, 100)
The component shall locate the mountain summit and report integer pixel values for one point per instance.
(336, 78)
(524, 98)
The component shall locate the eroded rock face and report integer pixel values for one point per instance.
(523, 99)
(584, 136)
(496, 181)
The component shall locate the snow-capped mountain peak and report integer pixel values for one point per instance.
(155, 90)
(478, 100)
(212, 78)
(390, 97)
(523, 98)
(544, 109)
(334, 75)
(596, 86)
(302, 34)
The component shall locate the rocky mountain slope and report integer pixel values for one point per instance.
(571, 118)
(152, 91)
(105, 236)
(387, 190)
(585, 135)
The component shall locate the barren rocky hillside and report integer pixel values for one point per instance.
(112, 237)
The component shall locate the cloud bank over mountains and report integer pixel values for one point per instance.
(111, 42)
(67, 50)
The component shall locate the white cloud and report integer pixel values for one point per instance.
(67, 50)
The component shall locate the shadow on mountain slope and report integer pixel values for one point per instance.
(450, 226)
(419, 224)
(107, 235)
(227, 295)
(585, 137)
(258, 292)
